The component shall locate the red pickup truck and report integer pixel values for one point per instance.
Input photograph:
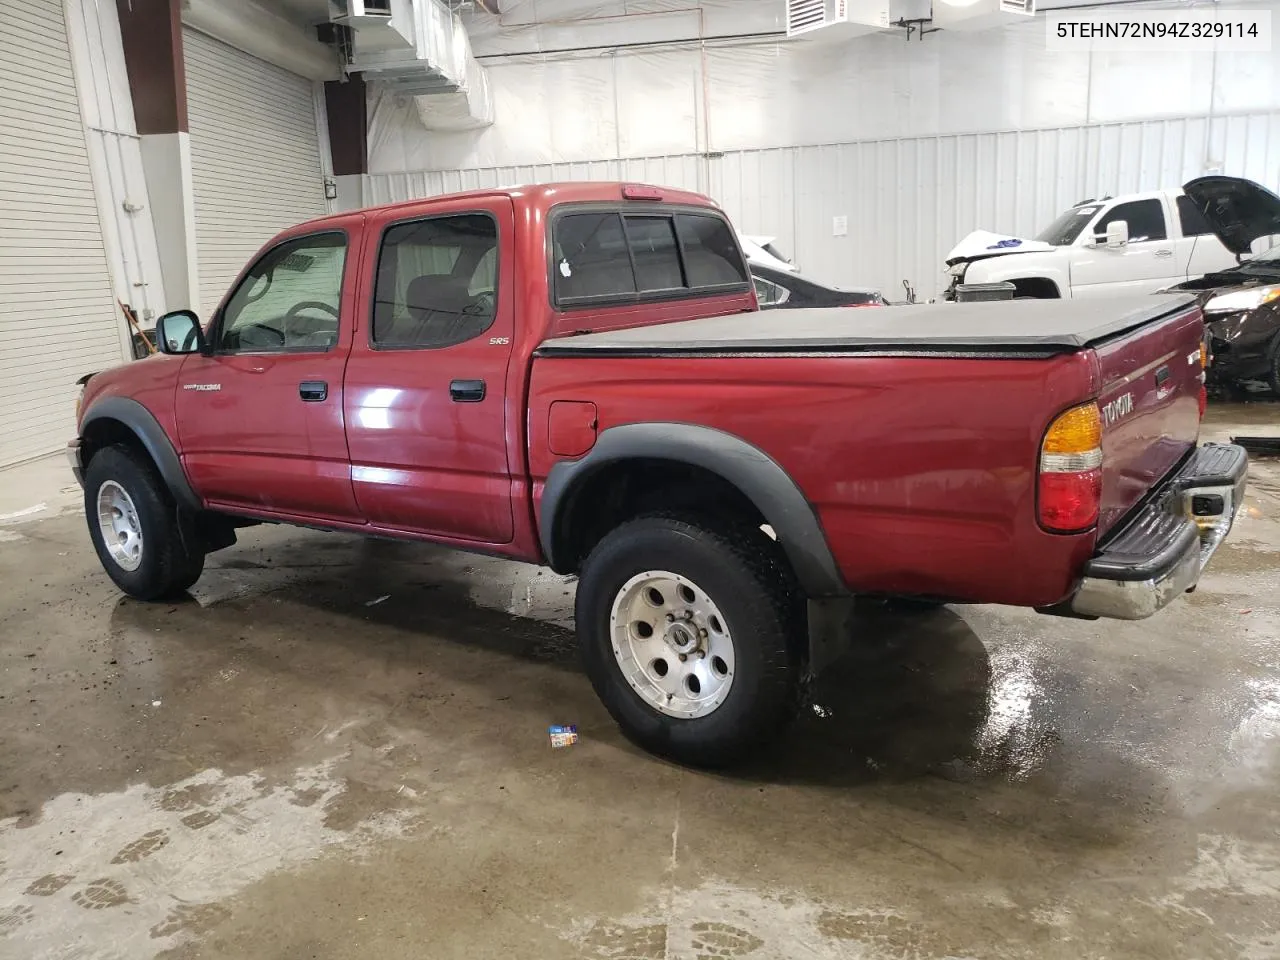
(577, 375)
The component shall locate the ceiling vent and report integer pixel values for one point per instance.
(806, 15)
(363, 13)
(836, 19)
(980, 14)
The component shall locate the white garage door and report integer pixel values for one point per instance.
(58, 320)
(255, 157)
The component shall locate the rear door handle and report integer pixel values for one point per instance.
(466, 391)
(313, 391)
(1164, 254)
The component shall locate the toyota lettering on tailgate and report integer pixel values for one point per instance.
(1121, 406)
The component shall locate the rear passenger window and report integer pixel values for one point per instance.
(436, 282)
(653, 247)
(710, 253)
(1193, 221)
(625, 257)
(591, 257)
(770, 294)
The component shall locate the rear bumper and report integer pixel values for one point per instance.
(1161, 551)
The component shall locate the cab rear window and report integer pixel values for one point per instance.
(612, 256)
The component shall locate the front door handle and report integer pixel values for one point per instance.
(466, 391)
(313, 391)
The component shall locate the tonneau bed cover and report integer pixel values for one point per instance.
(1018, 327)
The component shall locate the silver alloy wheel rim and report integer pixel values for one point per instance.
(118, 523)
(672, 644)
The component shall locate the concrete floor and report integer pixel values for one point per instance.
(339, 749)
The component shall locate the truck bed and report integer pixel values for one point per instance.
(1022, 328)
(922, 462)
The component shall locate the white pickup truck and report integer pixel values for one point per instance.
(1138, 243)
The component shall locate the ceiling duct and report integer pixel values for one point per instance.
(419, 49)
(260, 33)
(980, 14)
(837, 19)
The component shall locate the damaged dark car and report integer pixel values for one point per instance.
(1241, 305)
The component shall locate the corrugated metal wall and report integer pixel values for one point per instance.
(910, 200)
(255, 157)
(58, 320)
(115, 156)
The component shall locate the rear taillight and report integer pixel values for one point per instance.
(1070, 485)
(1203, 396)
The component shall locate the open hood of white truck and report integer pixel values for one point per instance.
(982, 244)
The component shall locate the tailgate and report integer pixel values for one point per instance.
(1150, 401)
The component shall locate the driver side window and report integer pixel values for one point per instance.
(1145, 219)
(289, 301)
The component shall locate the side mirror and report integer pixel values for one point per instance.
(179, 332)
(1117, 234)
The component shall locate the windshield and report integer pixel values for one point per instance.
(1063, 231)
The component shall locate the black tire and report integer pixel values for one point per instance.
(1273, 371)
(745, 575)
(168, 565)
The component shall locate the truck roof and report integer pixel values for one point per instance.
(1171, 192)
(541, 197)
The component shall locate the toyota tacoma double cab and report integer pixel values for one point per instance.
(577, 375)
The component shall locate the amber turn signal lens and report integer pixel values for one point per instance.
(1078, 430)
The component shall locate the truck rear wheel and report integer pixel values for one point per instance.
(690, 637)
(133, 523)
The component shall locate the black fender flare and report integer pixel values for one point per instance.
(154, 440)
(757, 475)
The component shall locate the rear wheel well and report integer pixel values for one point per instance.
(626, 489)
(1039, 288)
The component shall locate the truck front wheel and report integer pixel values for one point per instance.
(690, 637)
(133, 523)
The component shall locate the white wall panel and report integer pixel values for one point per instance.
(685, 172)
(586, 104)
(910, 200)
